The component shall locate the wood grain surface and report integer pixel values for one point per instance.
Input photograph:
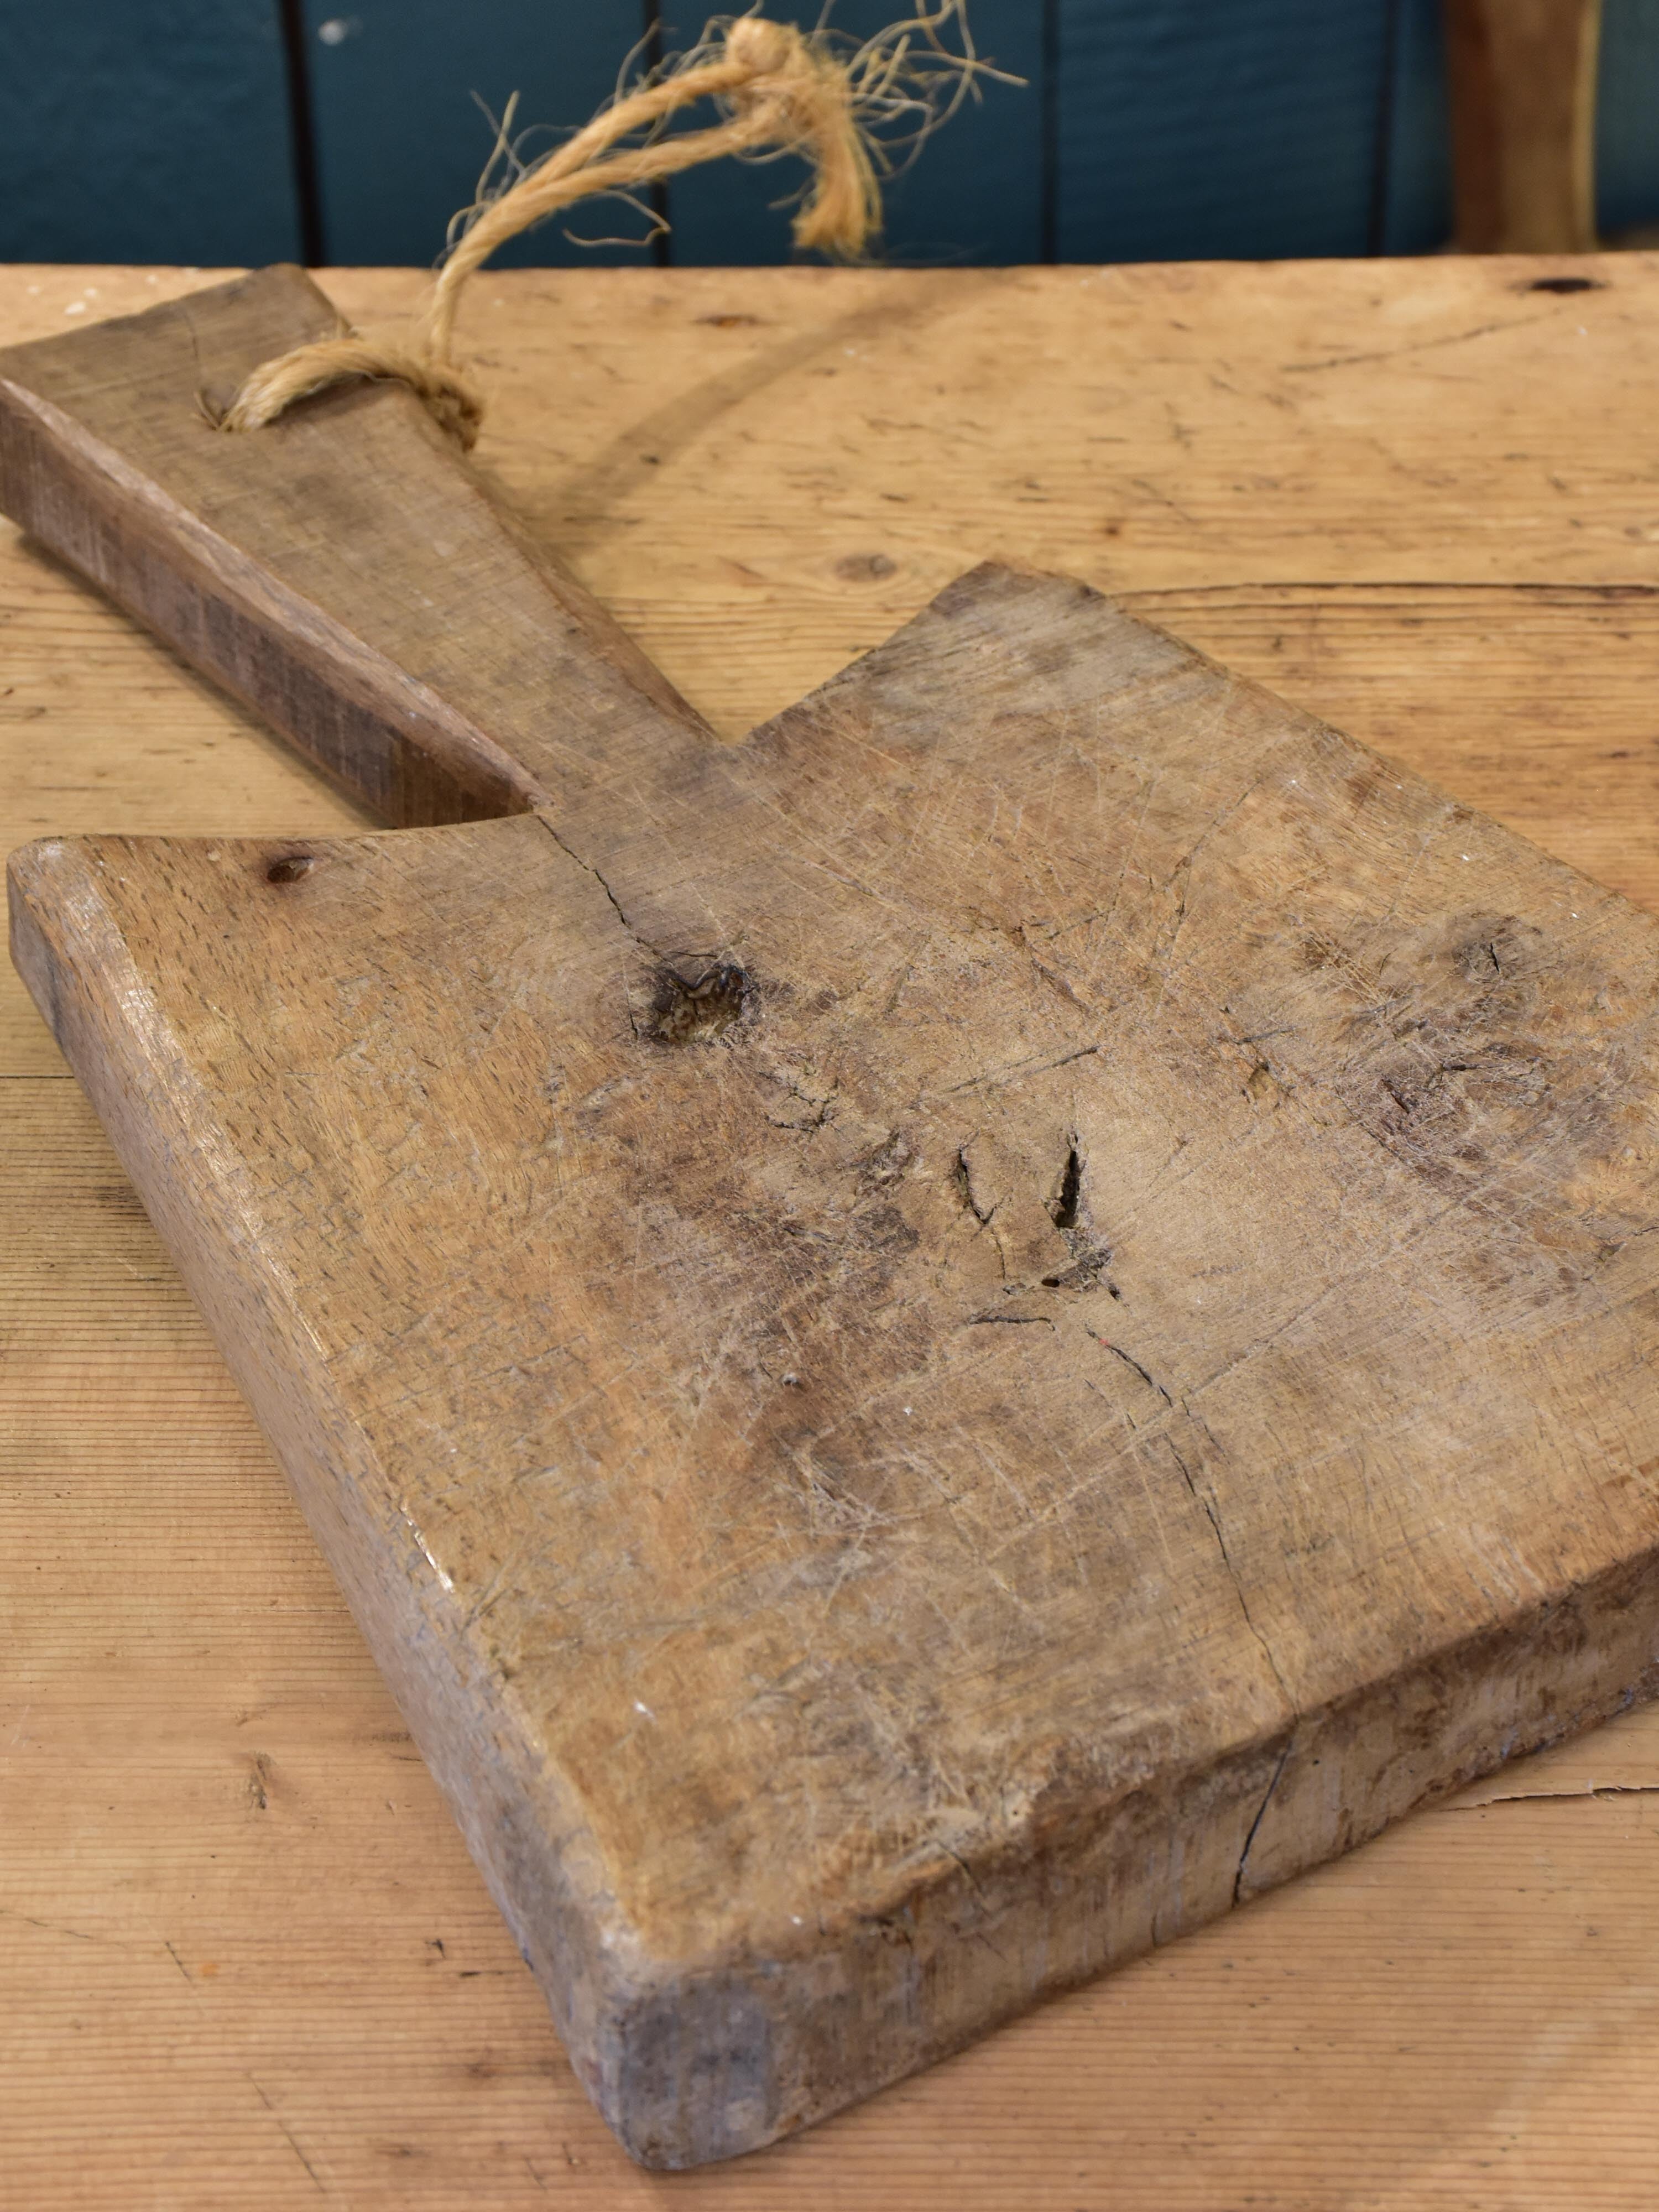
(1433, 2023)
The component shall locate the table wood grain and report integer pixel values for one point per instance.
(246, 1960)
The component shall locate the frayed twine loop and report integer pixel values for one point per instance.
(311, 368)
(778, 91)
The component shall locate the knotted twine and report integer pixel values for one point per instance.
(779, 91)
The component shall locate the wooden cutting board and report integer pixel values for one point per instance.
(928, 1347)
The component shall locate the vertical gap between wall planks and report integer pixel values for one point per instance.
(302, 133)
(651, 52)
(1376, 227)
(1048, 93)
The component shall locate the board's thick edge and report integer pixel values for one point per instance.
(71, 955)
(695, 2060)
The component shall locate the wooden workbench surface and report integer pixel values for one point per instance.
(245, 1960)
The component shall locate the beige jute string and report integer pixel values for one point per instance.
(780, 91)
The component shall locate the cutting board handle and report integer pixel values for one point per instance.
(344, 571)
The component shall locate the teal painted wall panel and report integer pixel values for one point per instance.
(163, 129)
(974, 194)
(401, 139)
(145, 130)
(1226, 128)
(1415, 214)
(1627, 117)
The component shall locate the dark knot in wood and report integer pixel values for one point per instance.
(684, 1011)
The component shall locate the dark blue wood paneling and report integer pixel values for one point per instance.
(1416, 212)
(160, 129)
(1627, 117)
(401, 139)
(1223, 128)
(145, 130)
(973, 194)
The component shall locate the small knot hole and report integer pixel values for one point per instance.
(686, 1012)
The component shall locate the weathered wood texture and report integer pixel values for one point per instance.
(1401, 664)
(1075, 1375)
(930, 1350)
(343, 577)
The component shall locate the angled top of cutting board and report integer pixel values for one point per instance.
(1099, 1358)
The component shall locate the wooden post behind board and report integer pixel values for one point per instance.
(1522, 76)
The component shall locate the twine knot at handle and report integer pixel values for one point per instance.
(276, 385)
